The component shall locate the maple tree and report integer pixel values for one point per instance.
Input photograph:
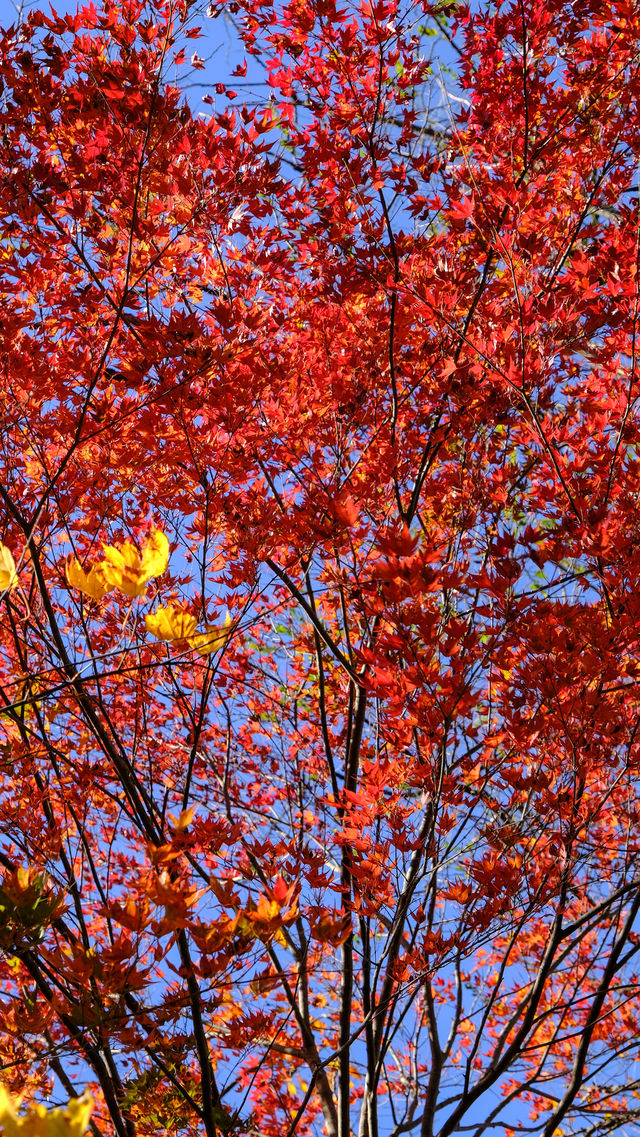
(319, 747)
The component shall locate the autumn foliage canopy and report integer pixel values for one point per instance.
(320, 569)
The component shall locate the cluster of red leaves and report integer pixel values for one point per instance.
(365, 352)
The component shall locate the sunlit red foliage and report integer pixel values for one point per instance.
(319, 746)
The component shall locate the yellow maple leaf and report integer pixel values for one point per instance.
(129, 570)
(92, 583)
(38, 1121)
(155, 555)
(184, 820)
(213, 638)
(8, 574)
(170, 624)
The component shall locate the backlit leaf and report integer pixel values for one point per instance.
(91, 583)
(8, 575)
(212, 639)
(170, 624)
(129, 570)
(38, 1121)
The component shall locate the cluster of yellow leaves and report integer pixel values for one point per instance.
(129, 570)
(38, 1121)
(8, 574)
(124, 568)
(170, 624)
